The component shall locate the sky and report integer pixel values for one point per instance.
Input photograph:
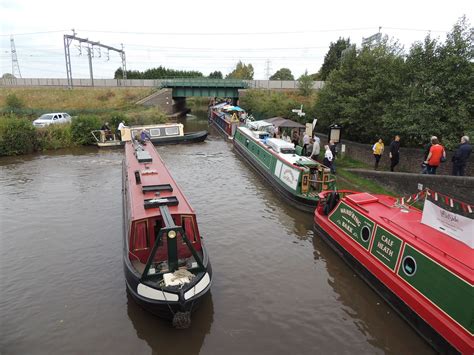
(208, 35)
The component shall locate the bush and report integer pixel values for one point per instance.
(54, 137)
(17, 136)
(81, 128)
(149, 116)
(13, 103)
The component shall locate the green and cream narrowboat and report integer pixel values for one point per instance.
(296, 178)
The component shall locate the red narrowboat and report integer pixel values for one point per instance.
(224, 120)
(417, 261)
(166, 265)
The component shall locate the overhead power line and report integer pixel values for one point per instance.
(31, 33)
(258, 33)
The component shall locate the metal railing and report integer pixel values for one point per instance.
(253, 84)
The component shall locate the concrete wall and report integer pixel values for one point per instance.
(410, 158)
(256, 84)
(460, 187)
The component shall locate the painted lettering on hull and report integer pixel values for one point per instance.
(287, 175)
(354, 224)
(386, 247)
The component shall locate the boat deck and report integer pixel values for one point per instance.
(406, 222)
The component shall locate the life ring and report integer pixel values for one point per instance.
(331, 202)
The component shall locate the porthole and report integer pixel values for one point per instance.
(409, 265)
(365, 233)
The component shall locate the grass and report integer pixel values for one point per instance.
(77, 99)
(349, 180)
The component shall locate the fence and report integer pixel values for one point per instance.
(255, 84)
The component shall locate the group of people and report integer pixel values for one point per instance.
(434, 155)
(312, 149)
(144, 135)
(108, 132)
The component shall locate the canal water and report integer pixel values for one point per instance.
(278, 289)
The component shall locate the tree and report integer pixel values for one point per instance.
(332, 59)
(305, 84)
(438, 89)
(8, 76)
(158, 73)
(359, 93)
(215, 75)
(283, 74)
(241, 71)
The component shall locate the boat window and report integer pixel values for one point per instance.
(140, 241)
(155, 132)
(172, 131)
(409, 265)
(188, 226)
(365, 233)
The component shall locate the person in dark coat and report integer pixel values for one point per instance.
(461, 156)
(394, 152)
(333, 148)
(426, 151)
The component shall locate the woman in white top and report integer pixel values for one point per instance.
(328, 157)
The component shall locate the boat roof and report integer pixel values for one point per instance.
(157, 125)
(220, 105)
(258, 125)
(299, 160)
(406, 223)
(293, 159)
(277, 144)
(152, 173)
(284, 123)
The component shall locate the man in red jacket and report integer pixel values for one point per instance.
(434, 156)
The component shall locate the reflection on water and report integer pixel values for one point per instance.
(159, 335)
(277, 289)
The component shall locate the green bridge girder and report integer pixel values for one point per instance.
(205, 87)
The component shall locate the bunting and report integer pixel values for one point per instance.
(440, 199)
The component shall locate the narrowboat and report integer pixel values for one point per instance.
(224, 119)
(420, 262)
(166, 265)
(298, 179)
(158, 134)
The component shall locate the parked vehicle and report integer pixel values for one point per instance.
(52, 118)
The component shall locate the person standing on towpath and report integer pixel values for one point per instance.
(394, 152)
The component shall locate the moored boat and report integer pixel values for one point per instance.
(158, 134)
(296, 178)
(421, 263)
(166, 265)
(224, 119)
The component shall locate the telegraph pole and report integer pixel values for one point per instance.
(90, 64)
(90, 50)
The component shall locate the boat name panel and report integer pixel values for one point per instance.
(386, 247)
(353, 223)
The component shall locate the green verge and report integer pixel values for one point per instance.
(349, 180)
